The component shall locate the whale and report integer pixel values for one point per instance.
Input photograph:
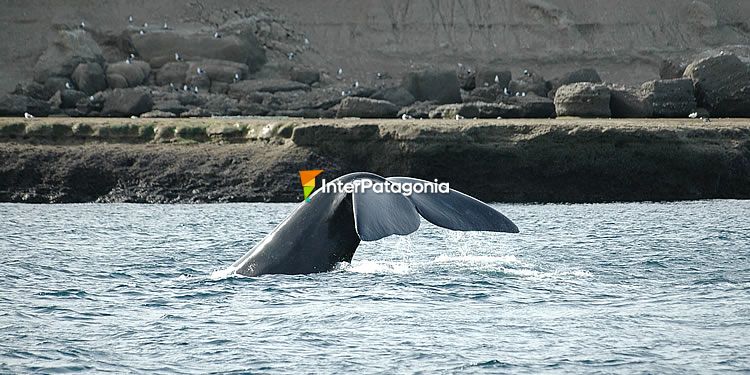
(327, 228)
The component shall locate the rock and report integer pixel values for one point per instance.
(202, 82)
(366, 108)
(670, 97)
(670, 69)
(466, 78)
(131, 75)
(159, 47)
(531, 83)
(218, 87)
(220, 105)
(486, 78)
(418, 110)
(170, 105)
(172, 72)
(196, 112)
(306, 76)
(438, 86)
(627, 102)
(244, 88)
(127, 102)
(219, 70)
(532, 106)
(583, 99)
(70, 98)
(53, 85)
(60, 59)
(89, 78)
(701, 16)
(31, 89)
(158, 114)
(489, 94)
(17, 105)
(396, 95)
(722, 85)
(476, 110)
(580, 75)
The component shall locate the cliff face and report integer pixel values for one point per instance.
(210, 160)
(625, 41)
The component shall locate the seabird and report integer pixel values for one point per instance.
(523, 94)
(165, 27)
(28, 115)
(486, 84)
(693, 115)
(236, 77)
(177, 57)
(68, 85)
(130, 19)
(141, 32)
(518, 94)
(290, 55)
(91, 98)
(200, 71)
(526, 72)
(195, 89)
(505, 91)
(459, 117)
(406, 117)
(129, 60)
(217, 35)
(380, 75)
(171, 85)
(307, 41)
(460, 65)
(83, 25)
(356, 84)
(145, 25)
(340, 71)
(343, 93)
(184, 87)
(132, 56)
(497, 79)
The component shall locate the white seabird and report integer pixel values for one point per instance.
(406, 117)
(145, 25)
(128, 60)
(184, 87)
(497, 79)
(459, 117)
(130, 19)
(165, 27)
(217, 35)
(236, 77)
(693, 115)
(68, 85)
(195, 89)
(526, 72)
(91, 98)
(340, 72)
(290, 55)
(200, 71)
(141, 32)
(307, 42)
(177, 57)
(28, 115)
(83, 25)
(505, 91)
(523, 94)
(356, 84)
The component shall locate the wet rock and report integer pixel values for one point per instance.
(196, 112)
(218, 87)
(31, 89)
(366, 108)
(418, 110)
(476, 110)
(89, 78)
(466, 78)
(627, 102)
(438, 86)
(396, 95)
(172, 72)
(529, 83)
(245, 88)
(127, 102)
(53, 85)
(220, 105)
(170, 105)
(486, 78)
(583, 99)
(159, 48)
(60, 59)
(306, 76)
(17, 105)
(722, 85)
(158, 114)
(670, 97)
(489, 94)
(532, 106)
(67, 98)
(124, 75)
(580, 75)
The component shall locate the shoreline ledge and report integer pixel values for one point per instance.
(194, 160)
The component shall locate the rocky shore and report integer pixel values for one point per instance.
(240, 159)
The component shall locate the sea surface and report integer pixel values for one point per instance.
(595, 288)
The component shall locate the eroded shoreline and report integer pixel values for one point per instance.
(257, 159)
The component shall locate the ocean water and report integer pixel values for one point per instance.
(599, 288)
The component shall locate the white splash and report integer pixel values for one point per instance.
(375, 267)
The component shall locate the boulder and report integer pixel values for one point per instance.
(17, 105)
(172, 72)
(31, 89)
(418, 110)
(366, 108)
(669, 69)
(158, 114)
(60, 59)
(489, 94)
(127, 102)
(170, 105)
(532, 106)
(580, 75)
(70, 98)
(438, 86)
(466, 78)
(583, 99)
(396, 95)
(529, 83)
(476, 110)
(220, 105)
(128, 74)
(244, 88)
(306, 76)
(219, 70)
(53, 85)
(486, 77)
(670, 97)
(722, 85)
(218, 87)
(159, 48)
(627, 102)
(196, 112)
(89, 78)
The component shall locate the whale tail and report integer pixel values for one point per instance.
(379, 215)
